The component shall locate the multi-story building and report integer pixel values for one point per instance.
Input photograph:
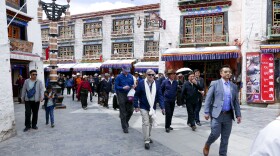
(120, 34)
(20, 44)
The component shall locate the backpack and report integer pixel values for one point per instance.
(32, 91)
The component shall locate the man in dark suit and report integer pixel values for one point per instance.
(105, 88)
(222, 105)
(169, 91)
(200, 82)
(190, 96)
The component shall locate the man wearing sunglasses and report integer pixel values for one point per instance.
(148, 93)
(32, 103)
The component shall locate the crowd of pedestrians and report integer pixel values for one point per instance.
(143, 93)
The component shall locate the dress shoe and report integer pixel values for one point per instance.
(151, 141)
(147, 146)
(198, 123)
(167, 130)
(35, 127)
(25, 129)
(125, 130)
(193, 128)
(206, 150)
(170, 128)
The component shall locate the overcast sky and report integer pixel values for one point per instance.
(84, 6)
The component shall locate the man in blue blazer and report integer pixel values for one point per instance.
(222, 105)
(148, 93)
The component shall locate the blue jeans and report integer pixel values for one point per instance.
(49, 113)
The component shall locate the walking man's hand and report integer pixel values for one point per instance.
(137, 109)
(206, 116)
(238, 120)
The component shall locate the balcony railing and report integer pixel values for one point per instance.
(273, 31)
(149, 29)
(65, 37)
(21, 45)
(45, 39)
(66, 58)
(151, 54)
(88, 36)
(124, 33)
(91, 57)
(122, 56)
(202, 40)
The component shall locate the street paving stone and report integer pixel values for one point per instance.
(97, 132)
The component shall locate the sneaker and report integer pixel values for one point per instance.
(25, 129)
(147, 146)
(35, 127)
(52, 125)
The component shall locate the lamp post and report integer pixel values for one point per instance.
(54, 12)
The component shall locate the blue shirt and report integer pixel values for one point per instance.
(227, 96)
(123, 80)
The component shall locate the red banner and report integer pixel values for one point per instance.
(253, 77)
(267, 74)
(47, 53)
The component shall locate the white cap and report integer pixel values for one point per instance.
(85, 76)
(78, 74)
(157, 75)
(95, 74)
(140, 74)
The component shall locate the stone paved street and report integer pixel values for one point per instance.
(97, 131)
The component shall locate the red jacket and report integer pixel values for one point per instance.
(84, 85)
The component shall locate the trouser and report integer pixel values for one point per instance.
(105, 98)
(19, 94)
(169, 109)
(73, 93)
(91, 95)
(179, 98)
(197, 110)
(221, 126)
(191, 111)
(49, 113)
(84, 99)
(68, 90)
(31, 107)
(146, 125)
(126, 109)
(62, 90)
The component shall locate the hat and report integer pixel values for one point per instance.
(170, 71)
(99, 76)
(73, 75)
(78, 74)
(157, 75)
(126, 69)
(95, 74)
(180, 74)
(85, 76)
(136, 73)
(106, 74)
(140, 74)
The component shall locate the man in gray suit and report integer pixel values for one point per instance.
(222, 106)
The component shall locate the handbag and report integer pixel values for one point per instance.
(130, 95)
(32, 91)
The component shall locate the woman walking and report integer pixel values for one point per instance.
(82, 92)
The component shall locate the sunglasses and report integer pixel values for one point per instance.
(34, 74)
(151, 74)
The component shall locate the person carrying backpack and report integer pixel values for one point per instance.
(32, 94)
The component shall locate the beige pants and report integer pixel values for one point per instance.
(146, 125)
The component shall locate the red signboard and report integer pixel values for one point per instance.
(267, 77)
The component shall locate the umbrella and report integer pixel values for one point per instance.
(183, 70)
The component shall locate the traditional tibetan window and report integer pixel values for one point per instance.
(66, 52)
(14, 2)
(152, 46)
(122, 47)
(14, 32)
(45, 34)
(66, 32)
(276, 12)
(200, 29)
(94, 28)
(91, 50)
(123, 25)
(152, 21)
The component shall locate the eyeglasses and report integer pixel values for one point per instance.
(151, 74)
(34, 74)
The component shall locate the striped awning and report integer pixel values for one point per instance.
(87, 67)
(144, 66)
(273, 48)
(201, 53)
(117, 64)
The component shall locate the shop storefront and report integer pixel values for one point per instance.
(207, 59)
(114, 66)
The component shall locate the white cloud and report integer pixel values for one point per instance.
(77, 8)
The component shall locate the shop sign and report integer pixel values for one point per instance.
(267, 74)
(253, 77)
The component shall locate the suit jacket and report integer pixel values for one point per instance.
(200, 82)
(215, 99)
(105, 86)
(190, 93)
